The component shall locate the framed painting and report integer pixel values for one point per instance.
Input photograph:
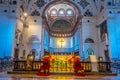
(103, 31)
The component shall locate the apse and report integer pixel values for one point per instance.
(61, 44)
(61, 34)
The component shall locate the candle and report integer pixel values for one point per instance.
(106, 39)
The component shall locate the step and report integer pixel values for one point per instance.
(64, 73)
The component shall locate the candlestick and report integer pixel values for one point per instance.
(18, 38)
(106, 39)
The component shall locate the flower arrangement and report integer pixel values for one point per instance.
(79, 70)
(45, 68)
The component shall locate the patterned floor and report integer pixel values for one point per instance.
(4, 76)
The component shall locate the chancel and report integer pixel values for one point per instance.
(60, 34)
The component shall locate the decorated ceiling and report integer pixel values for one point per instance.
(67, 10)
(87, 7)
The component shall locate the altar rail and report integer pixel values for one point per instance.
(21, 65)
(102, 66)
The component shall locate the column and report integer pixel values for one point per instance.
(80, 42)
(42, 41)
(73, 43)
(48, 42)
(23, 42)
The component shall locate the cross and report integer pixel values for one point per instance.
(61, 42)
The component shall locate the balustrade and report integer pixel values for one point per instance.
(102, 66)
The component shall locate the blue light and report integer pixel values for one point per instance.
(76, 40)
(7, 29)
(114, 32)
(46, 40)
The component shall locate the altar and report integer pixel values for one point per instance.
(61, 63)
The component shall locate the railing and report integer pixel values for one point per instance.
(102, 66)
(115, 67)
(5, 63)
(22, 66)
(87, 66)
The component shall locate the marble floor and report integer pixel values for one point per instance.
(5, 76)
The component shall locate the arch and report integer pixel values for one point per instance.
(89, 40)
(56, 2)
(34, 39)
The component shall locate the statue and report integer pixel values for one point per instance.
(30, 59)
(90, 51)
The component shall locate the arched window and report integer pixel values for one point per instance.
(33, 39)
(61, 12)
(89, 40)
(69, 12)
(53, 12)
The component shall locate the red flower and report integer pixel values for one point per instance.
(78, 67)
(44, 70)
(76, 59)
(46, 59)
(53, 60)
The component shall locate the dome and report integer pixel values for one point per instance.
(61, 25)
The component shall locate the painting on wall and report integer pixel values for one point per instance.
(103, 31)
(106, 53)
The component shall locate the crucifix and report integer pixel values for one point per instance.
(61, 42)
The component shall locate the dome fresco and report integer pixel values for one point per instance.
(61, 25)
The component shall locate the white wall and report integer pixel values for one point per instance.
(89, 30)
(32, 36)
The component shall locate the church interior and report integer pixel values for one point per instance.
(60, 37)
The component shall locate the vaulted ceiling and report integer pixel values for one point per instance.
(87, 7)
(60, 23)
